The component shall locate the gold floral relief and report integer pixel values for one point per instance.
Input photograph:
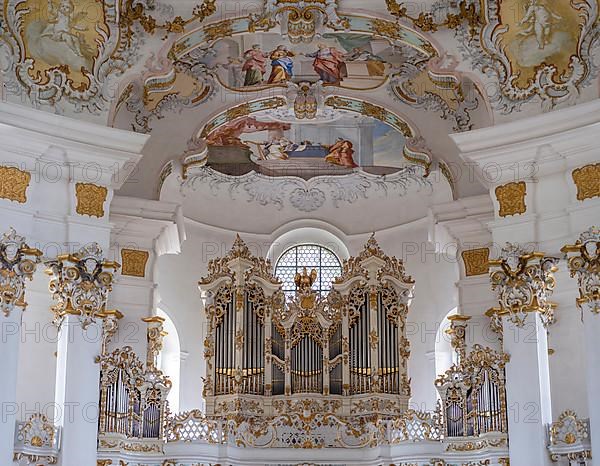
(63, 34)
(14, 184)
(587, 180)
(90, 199)
(511, 198)
(134, 262)
(476, 261)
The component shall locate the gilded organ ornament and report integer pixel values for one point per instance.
(584, 265)
(350, 343)
(18, 263)
(155, 335)
(524, 281)
(458, 335)
(80, 284)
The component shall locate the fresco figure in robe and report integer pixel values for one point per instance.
(329, 64)
(64, 26)
(539, 20)
(342, 154)
(255, 66)
(282, 65)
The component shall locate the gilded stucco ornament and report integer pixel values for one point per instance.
(524, 281)
(134, 262)
(36, 441)
(17, 263)
(476, 261)
(90, 199)
(534, 50)
(73, 51)
(587, 180)
(14, 184)
(80, 284)
(511, 199)
(155, 335)
(584, 265)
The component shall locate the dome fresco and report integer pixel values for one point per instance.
(174, 68)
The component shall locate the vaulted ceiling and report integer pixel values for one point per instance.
(214, 78)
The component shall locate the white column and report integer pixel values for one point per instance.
(10, 336)
(61, 154)
(527, 391)
(77, 391)
(592, 334)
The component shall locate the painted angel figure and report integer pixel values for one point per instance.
(64, 25)
(539, 20)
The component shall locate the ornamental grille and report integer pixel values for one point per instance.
(313, 257)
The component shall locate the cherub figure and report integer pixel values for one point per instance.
(539, 20)
(62, 24)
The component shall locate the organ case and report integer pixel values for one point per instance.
(347, 350)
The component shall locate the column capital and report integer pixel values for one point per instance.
(524, 281)
(80, 284)
(18, 262)
(584, 265)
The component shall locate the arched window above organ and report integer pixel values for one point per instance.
(312, 257)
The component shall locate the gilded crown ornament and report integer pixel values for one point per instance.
(524, 282)
(17, 262)
(584, 264)
(80, 284)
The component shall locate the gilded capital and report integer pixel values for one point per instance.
(584, 265)
(17, 263)
(80, 284)
(524, 281)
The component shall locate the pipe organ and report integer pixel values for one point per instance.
(473, 394)
(347, 350)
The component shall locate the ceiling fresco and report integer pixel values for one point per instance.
(298, 89)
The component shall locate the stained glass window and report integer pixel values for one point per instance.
(311, 256)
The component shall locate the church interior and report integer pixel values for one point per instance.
(299, 233)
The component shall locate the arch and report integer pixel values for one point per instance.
(170, 359)
(307, 235)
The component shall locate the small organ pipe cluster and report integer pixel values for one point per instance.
(347, 349)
